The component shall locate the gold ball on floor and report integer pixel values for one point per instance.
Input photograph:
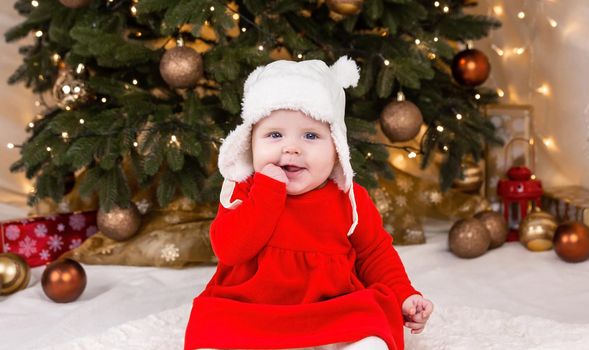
(536, 230)
(15, 273)
(64, 280)
(494, 223)
(119, 224)
(469, 238)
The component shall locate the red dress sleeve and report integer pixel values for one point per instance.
(238, 235)
(376, 259)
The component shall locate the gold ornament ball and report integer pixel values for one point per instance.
(69, 91)
(469, 238)
(496, 226)
(472, 178)
(345, 7)
(15, 273)
(74, 4)
(400, 121)
(536, 231)
(571, 242)
(181, 67)
(119, 224)
(64, 280)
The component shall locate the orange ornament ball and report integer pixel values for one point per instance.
(64, 280)
(471, 67)
(571, 242)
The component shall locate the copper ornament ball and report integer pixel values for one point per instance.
(401, 121)
(345, 7)
(74, 4)
(471, 67)
(469, 238)
(119, 224)
(536, 231)
(571, 242)
(181, 67)
(64, 280)
(496, 226)
(15, 273)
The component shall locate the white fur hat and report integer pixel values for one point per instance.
(308, 86)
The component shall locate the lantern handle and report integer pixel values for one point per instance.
(530, 142)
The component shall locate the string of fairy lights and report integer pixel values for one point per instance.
(266, 42)
(530, 15)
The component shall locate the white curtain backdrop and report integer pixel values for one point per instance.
(554, 56)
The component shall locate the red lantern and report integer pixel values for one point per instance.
(520, 194)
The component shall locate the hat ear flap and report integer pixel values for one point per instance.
(346, 72)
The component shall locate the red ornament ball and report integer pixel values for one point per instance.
(471, 67)
(64, 280)
(571, 242)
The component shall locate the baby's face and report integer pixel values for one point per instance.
(300, 145)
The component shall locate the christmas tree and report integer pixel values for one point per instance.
(145, 90)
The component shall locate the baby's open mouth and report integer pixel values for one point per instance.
(291, 168)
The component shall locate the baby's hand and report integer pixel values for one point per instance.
(274, 172)
(416, 310)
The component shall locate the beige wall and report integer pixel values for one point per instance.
(556, 56)
(17, 109)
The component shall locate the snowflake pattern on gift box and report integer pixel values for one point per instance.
(170, 252)
(40, 230)
(91, 230)
(435, 197)
(55, 243)
(60, 227)
(6, 247)
(44, 254)
(12, 232)
(77, 221)
(404, 184)
(27, 247)
(75, 243)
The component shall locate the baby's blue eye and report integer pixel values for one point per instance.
(274, 134)
(311, 136)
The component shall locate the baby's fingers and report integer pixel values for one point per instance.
(415, 327)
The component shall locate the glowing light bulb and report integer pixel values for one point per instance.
(477, 97)
(243, 29)
(544, 89)
(552, 22)
(446, 9)
(212, 8)
(386, 62)
(236, 16)
(135, 82)
(497, 50)
(35, 3)
(440, 128)
(521, 15)
(417, 41)
(39, 33)
(31, 125)
(498, 10)
(261, 47)
(500, 92)
(82, 121)
(412, 154)
(458, 116)
(436, 3)
(10, 145)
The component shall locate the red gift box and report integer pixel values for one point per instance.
(40, 240)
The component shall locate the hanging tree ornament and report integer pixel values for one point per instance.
(471, 179)
(401, 120)
(15, 273)
(69, 91)
(471, 67)
(181, 67)
(75, 4)
(345, 7)
(119, 224)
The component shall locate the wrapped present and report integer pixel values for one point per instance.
(40, 240)
(567, 203)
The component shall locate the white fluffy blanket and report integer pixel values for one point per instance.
(451, 328)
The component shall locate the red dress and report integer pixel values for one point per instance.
(289, 276)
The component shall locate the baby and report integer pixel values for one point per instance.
(304, 261)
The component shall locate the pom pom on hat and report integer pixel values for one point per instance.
(346, 72)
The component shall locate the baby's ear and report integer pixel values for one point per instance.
(346, 72)
(252, 78)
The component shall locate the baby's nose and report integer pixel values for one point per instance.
(291, 150)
